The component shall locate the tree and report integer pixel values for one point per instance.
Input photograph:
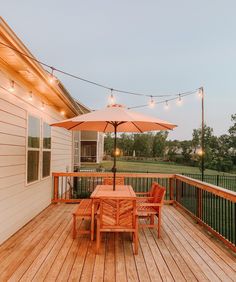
(159, 144)
(143, 144)
(187, 150)
(232, 132)
(126, 143)
(221, 159)
(108, 143)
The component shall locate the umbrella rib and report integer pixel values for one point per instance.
(169, 128)
(106, 126)
(137, 127)
(75, 125)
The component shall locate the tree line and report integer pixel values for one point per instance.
(219, 152)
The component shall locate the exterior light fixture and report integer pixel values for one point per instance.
(30, 96)
(12, 86)
(42, 106)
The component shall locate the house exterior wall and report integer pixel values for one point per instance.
(97, 138)
(19, 201)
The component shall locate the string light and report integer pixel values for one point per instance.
(30, 96)
(179, 101)
(200, 92)
(52, 78)
(111, 99)
(62, 113)
(151, 103)
(166, 105)
(12, 86)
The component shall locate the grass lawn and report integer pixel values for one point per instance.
(143, 166)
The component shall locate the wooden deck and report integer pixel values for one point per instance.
(44, 250)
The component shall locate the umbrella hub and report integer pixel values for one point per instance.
(116, 106)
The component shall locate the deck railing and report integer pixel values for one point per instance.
(74, 186)
(211, 206)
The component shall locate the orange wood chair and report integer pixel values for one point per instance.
(143, 197)
(117, 215)
(153, 206)
(109, 181)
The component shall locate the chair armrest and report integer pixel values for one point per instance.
(142, 193)
(145, 198)
(151, 205)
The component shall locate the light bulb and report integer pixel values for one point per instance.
(151, 103)
(62, 113)
(52, 78)
(166, 105)
(200, 152)
(12, 86)
(200, 93)
(179, 101)
(112, 99)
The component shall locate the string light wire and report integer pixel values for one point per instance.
(54, 69)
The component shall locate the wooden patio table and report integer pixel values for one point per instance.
(122, 191)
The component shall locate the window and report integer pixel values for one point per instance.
(46, 163)
(39, 149)
(33, 151)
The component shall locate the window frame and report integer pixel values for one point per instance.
(32, 149)
(45, 150)
(40, 150)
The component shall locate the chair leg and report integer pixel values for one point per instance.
(98, 239)
(159, 223)
(136, 238)
(152, 220)
(92, 222)
(74, 226)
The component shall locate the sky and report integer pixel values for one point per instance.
(154, 47)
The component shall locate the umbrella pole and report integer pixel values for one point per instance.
(114, 156)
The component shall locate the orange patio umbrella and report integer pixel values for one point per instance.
(115, 118)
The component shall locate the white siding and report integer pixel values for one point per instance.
(19, 202)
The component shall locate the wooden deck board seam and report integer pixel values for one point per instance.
(204, 245)
(207, 269)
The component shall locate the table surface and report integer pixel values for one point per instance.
(107, 191)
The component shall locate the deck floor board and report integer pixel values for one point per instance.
(44, 250)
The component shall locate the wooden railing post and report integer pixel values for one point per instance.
(55, 187)
(199, 203)
(171, 185)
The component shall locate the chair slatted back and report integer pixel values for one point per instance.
(118, 213)
(159, 195)
(109, 181)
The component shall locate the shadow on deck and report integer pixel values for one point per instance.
(44, 250)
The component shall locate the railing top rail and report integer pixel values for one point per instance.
(110, 174)
(221, 192)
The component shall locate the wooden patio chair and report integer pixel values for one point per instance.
(109, 181)
(143, 197)
(117, 215)
(151, 208)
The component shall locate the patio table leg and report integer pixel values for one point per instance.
(92, 221)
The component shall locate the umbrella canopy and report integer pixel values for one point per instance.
(105, 119)
(115, 118)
